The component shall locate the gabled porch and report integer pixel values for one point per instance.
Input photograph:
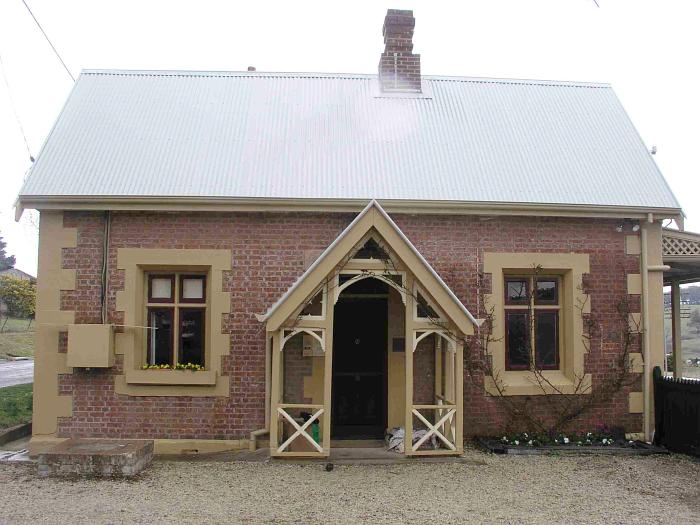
(369, 338)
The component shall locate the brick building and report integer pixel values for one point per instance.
(319, 256)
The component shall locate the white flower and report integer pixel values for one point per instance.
(516, 442)
(504, 439)
(556, 441)
(525, 434)
(566, 440)
(529, 442)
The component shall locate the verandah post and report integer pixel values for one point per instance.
(327, 379)
(676, 329)
(459, 396)
(408, 436)
(275, 389)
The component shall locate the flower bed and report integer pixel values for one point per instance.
(179, 366)
(600, 442)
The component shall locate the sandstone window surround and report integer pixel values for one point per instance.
(177, 271)
(569, 269)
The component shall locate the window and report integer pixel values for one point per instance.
(532, 322)
(176, 312)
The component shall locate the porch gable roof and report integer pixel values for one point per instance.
(372, 216)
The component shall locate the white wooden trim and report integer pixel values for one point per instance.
(451, 343)
(359, 275)
(433, 429)
(416, 290)
(311, 331)
(300, 429)
(324, 305)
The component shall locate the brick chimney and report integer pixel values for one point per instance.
(399, 68)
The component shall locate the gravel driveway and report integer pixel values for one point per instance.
(488, 489)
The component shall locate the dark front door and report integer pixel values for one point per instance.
(359, 389)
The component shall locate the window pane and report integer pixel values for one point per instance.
(517, 291)
(161, 288)
(546, 291)
(191, 336)
(546, 347)
(315, 306)
(193, 288)
(160, 341)
(517, 341)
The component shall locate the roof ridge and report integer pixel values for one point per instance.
(348, 76)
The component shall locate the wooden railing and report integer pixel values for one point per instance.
(316, 412)
(444, 427)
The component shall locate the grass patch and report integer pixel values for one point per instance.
(15, 405)
(16, 337)
(11, 324)
(16, 344)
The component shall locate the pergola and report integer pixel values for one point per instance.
(681, 256)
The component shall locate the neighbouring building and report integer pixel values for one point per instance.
(16, 273)
(320, 256)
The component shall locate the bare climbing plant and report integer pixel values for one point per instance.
(555, 408)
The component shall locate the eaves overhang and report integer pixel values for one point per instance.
(252, 204)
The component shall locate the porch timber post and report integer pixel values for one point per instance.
(408, 324)
(438, 368)
(676, 329)
(275, 389)
(328, 376)
(459, 396)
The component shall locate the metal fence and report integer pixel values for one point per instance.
(677, 413)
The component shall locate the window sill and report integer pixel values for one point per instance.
(171, 377)
(524, 383)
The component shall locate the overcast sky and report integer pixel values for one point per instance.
(647, 49)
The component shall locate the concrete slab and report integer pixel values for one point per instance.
(100, 458)
(18, 444)
(16, 372)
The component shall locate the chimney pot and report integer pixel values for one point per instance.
(251, 68)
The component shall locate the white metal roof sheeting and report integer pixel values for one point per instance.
(330, 136)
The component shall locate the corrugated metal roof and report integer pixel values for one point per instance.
(331, 136)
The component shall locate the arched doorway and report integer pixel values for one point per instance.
(359, 382)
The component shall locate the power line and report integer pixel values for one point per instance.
(14, 109)
(49, 41)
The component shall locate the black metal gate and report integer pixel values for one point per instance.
(677, 413)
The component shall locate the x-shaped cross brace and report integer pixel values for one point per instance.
(300, 430)
(433, 429)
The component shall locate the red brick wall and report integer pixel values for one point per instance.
(267, 256)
